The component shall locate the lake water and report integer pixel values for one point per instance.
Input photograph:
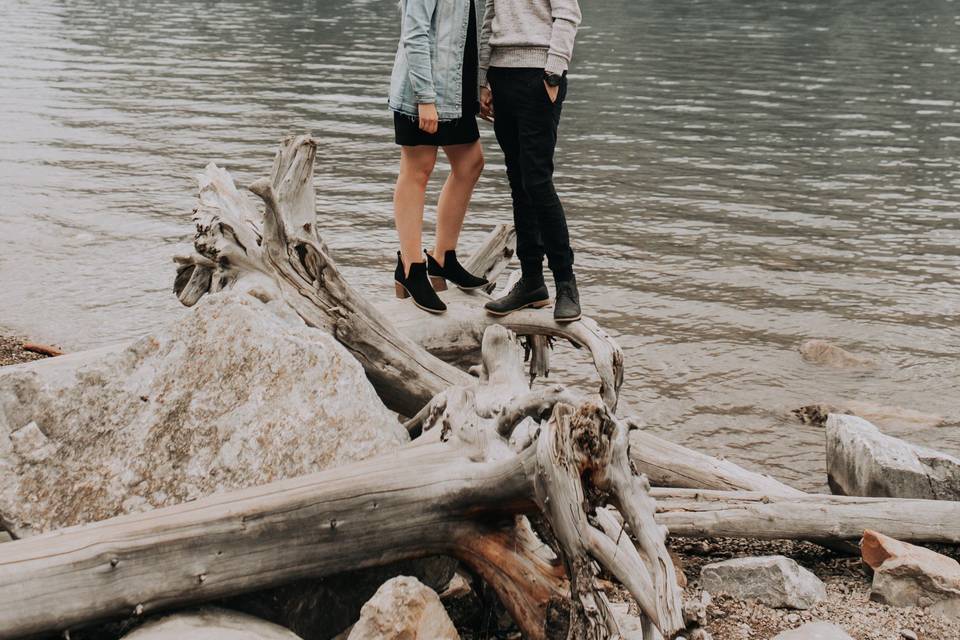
(739, 176)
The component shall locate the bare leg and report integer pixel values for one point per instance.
(416, 166)
(466, 165)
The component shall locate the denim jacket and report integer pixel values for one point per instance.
(429, 63)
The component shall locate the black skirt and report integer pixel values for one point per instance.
(409, 133)
(463, 130)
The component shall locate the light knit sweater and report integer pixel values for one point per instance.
(528, 33)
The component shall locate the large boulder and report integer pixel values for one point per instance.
(905, 575)
(235, 393)
(814, 631)
(775, 581)
(404, 609)
(862, 461)
(210, 624)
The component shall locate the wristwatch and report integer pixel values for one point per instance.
(552, 79)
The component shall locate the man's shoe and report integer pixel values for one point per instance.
(567, 306)
(523, 294)
(416, 284)
(453, 271)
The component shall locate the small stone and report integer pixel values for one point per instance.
(403, 608)
(907, 634)
(792, 618)
(815, 631)
(907, 575)
(775, 581)
(209, 623)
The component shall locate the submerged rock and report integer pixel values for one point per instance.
(861, 461)
(827, 353)
(905, 575)
(210, 624)
(235, 393)
(776, 581)
(404, 609)
(815, 631)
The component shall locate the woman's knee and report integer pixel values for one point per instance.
(417, 168)
(469, 166)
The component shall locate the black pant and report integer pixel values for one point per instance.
(526, 124)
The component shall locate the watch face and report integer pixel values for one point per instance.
(553, 79)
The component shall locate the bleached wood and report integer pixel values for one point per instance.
(460, 489)
(746, 514)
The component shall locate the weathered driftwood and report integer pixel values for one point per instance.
(280, 255)
(745, 514)
(492, 454)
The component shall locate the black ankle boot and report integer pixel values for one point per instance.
(526, 293)
(567, 306)
(453, 271)
(417, 285)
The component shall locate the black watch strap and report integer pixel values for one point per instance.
(552, 79)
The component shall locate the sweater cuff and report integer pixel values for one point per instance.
(555, 64)
(482, 77)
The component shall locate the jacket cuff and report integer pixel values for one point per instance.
(427, 98)
(555, 64)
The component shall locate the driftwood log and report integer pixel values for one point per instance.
(519, 484)
(745, 514)
(505, 479)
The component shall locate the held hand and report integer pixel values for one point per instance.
(486, 104)
(429, 120)
(552, 92)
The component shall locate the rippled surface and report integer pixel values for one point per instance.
(739, 176)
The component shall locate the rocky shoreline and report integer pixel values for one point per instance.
(846, 579)
(12, 351)
(847, 604)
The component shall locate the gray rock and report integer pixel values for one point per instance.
(775, 581)
(861, 461)
(404, 609)
(814, 631)
(827, 353)
(210, 624)
(235, 393)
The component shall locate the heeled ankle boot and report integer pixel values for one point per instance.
(416, 284)
(453, 271)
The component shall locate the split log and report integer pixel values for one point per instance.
(743, 514)
(503, 479)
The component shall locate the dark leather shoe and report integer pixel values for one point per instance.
(567, 306)
(453, 271)
(416, 284)
(523, 294)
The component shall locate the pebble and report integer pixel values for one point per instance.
(792, 618)
(907, 634)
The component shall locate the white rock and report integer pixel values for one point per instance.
(210, 624)
(235, 393)
(404, 609)
(815, 631)
(861, 461)
(775, 581)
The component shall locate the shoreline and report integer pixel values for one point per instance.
(847, 604)
(846, 579)
(12, 351)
